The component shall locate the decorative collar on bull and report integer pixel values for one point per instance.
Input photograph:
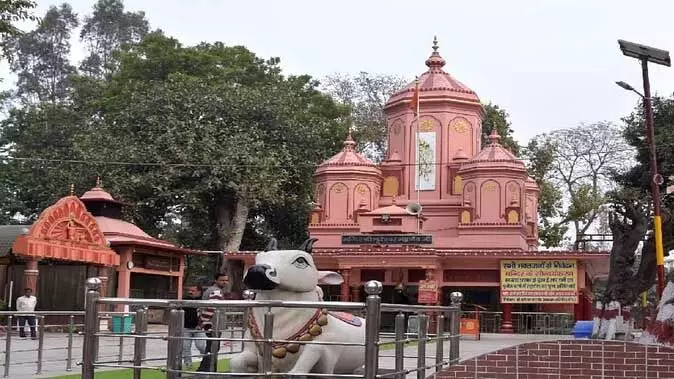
(291, 275)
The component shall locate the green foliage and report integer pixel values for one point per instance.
(105, 31)
(497, 118)
(40, 58)
(541, 155)
(13, 11)
(638, 178)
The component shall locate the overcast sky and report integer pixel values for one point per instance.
(551, 64)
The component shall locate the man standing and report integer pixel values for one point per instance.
(26, 303)
(191, 328)
(218, 291)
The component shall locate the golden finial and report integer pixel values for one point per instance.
(435, 43)
(72, 189)
(98, 182)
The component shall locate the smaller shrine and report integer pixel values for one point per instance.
(80, 237)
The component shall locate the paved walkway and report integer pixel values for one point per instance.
(23, 357)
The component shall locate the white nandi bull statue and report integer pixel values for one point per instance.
(291, 275)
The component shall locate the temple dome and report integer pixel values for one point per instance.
(435, 84)
(348, 161)
(494, 156)
(97, 193)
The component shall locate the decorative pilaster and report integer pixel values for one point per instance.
(344, 287)
(30, 274)
(507, 320)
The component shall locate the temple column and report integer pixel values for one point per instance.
(578, 311)
(344, 287)
(432, 321)
(124, 277)
(507, 319)
(355, 293)
(30, 274)
(180, 278)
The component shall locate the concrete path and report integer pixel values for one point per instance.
(23, 356)
(468, 348)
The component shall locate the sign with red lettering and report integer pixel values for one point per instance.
(428, 292)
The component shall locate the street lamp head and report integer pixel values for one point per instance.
(625, 85)
(639, 51)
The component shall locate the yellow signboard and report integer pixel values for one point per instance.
(539, 281)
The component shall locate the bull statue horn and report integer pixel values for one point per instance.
(272, 245)
(308, 245)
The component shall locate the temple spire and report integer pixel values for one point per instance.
(494, 137)
(349, 143)
(435, 62)
(72, 189)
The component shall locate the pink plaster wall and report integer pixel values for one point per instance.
(494, 183)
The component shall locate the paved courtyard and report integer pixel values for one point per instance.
(23, 356)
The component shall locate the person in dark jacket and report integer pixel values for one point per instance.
(192, 328)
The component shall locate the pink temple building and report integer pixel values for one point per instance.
(478, 217)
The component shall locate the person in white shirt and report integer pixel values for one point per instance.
(26, 303)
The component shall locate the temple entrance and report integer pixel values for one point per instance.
(148, 286)
(487, 297)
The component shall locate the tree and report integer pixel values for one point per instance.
(11, 12)
(105, 31)
(497, 118)
(222, 130)
(629, 224)
(638, 178)
(582, 162)
(366, 95)
(40, 58)
(540, 154)
(41, 130)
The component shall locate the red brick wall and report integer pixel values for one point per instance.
(588, 359)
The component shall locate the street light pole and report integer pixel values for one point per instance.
(646, 54)
(656, 181)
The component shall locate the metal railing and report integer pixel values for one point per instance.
(11, 322)
(526, 322)
(445, 318)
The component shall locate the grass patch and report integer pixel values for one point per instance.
(392, 345)
(223, 366)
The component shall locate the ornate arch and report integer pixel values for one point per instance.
(66, 231)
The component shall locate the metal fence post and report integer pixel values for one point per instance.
(91, 324)
(69, 359)
(139, 341)
(455, 327)
(174, 351)
(439, 342)
(40, 343)
(8, 345)
(421, 347)
(373, 289)
(268, 337)
(216, 321)
(400, 345)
